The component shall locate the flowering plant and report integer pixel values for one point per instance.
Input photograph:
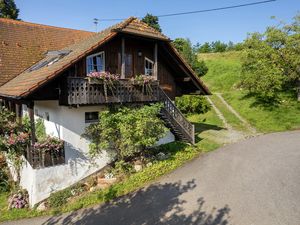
(142, 79)
(50, 144)
(145, 82)
(103, 76)
(18, 200)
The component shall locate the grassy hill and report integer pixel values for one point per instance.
(224, 76)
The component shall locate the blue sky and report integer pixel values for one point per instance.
(232, 24)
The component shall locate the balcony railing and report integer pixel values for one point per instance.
(80, 91)
(40, 159)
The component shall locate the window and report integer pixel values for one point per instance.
(51, 58)
(95, 62)
(47, 116)
(148, 67)
(91, 117)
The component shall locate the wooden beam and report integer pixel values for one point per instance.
(155, 62)
(123, 59)
(19, 113)
(30, 107)
(183, 79)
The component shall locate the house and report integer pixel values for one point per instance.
(43, 72)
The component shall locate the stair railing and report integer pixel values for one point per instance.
(176, 118)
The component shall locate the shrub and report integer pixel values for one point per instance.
(40, 130)
(59, 198)
(4, 183)
(125, 132)
(192, 104)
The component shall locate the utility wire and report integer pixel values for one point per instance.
(202, 11)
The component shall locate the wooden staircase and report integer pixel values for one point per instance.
(175, 120)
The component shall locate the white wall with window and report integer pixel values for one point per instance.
(67, 124)
(95, 62)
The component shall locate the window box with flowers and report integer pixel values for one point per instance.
(49, 152)
(108, 80)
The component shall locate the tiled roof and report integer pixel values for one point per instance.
(28, 81)
(138, 27)
(22, 44)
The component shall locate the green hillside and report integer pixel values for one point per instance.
(224, 76)
(224, 70)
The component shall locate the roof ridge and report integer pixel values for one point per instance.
(40, 25)
(151, 28)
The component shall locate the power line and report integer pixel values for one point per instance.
(201, 11)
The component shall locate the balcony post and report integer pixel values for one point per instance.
(19, 113)
(32, 124)
(155, 62)
(123, 59)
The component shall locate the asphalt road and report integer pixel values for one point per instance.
(253, 182)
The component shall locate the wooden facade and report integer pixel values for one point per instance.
(136, 49)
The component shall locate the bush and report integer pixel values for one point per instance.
(59, 198)
(192, 104)
(125, 132)
(4, 183)
(200, 67)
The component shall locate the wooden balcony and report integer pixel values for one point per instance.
(80, 91)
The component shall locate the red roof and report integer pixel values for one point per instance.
(28, 81)
(22, 44)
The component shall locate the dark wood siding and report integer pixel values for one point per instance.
(135, 50)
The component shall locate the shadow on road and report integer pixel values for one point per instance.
(156, 204)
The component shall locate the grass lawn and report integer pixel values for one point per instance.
(224, 70)
(286, 116)
(224, 76)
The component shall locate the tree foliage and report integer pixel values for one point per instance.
(125, 132)
(185, 48)
(152, 21)
(218, 46)
(271, 61)
(192, 104)
(8, 9)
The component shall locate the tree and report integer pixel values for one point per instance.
(185, 48)
(205, 48)
(8, 9)
(125, 132)
(218, 46)
(152, 21)
(271, 61)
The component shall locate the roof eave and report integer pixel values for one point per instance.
(196, 80)
(141, 35)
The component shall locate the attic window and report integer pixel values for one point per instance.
(149, 64)
(95, 62)
(53, 57)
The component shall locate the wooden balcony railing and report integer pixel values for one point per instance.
(38, 159)
(80, 91)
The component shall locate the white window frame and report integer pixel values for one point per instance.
(146, 70)
(92, 56)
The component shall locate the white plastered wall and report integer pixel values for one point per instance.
(67, 124)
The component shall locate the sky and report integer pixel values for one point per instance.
(227, 25)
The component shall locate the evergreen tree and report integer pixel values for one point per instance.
(8, 9)
(152, 21)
